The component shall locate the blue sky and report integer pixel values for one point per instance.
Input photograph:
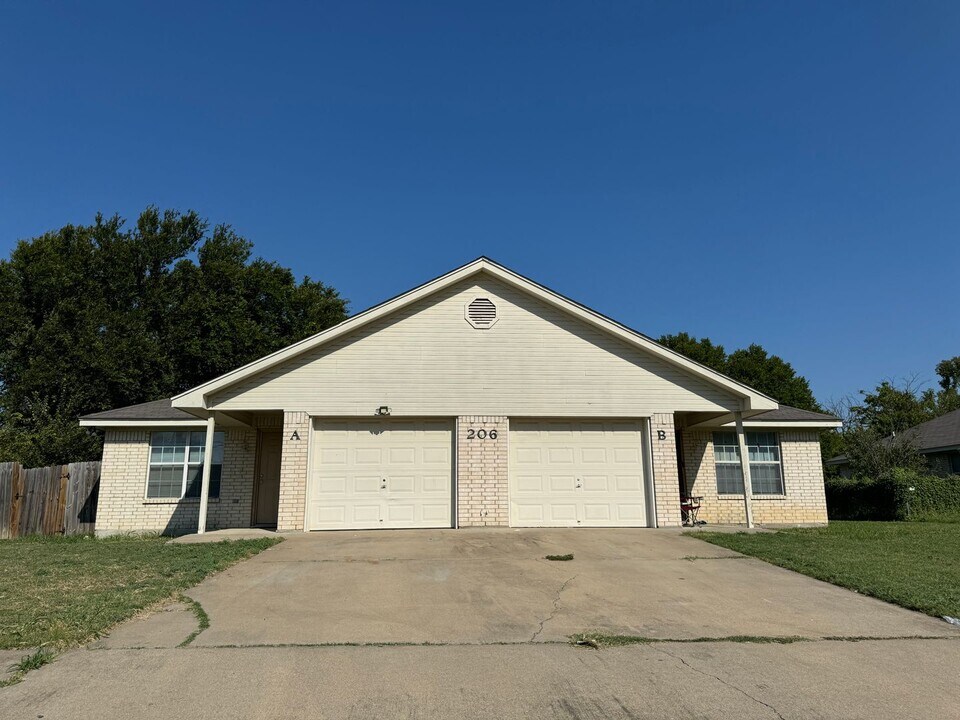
(780, 173)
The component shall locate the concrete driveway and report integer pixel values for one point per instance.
(494, 586)
(476, 624)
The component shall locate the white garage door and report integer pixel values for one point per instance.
(380, 474)
(577, 474)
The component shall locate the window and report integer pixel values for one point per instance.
(176, 464)
(955, 463)
(763, 449)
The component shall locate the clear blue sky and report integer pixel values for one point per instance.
(781, 173)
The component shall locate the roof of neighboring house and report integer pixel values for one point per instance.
(785, 413)
(939, 433)
(156, 410)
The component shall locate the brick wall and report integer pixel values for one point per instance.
(122, 505)
(293, 471)
(482, 498)
(666, 477)
(803, 500)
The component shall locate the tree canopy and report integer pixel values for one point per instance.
(100, 316)
(753, 366)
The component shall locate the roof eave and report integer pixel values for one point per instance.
(131, 423)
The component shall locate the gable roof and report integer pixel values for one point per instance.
(196, 398)
(941, 432)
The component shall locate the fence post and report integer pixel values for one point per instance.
(16, 499)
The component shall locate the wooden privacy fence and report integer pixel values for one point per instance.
(55, 500)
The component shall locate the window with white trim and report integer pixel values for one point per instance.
(763, 450)
(176, 464)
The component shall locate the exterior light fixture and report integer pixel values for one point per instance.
(382, 410)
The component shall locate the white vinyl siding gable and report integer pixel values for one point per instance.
(427, 359)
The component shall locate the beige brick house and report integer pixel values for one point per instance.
(477, 399)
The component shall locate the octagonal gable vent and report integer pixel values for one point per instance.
(481, 313)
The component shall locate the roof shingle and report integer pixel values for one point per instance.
(156, 410)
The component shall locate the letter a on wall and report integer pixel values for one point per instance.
(295, 436)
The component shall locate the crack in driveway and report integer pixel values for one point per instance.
(556, 608)
(723, 682)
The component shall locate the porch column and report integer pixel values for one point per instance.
(745, 467)
(205, 479)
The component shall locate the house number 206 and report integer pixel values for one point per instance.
(481, 434)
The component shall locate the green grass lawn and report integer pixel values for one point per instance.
(915, 564)
(58, 592)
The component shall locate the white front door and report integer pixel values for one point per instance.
(381, 474)
(578, 473)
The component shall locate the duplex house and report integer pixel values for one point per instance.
(479, 398)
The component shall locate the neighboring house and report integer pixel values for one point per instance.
(938, 440)
(477, 399)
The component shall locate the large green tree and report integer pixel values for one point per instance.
(753, 366)
(100, 316)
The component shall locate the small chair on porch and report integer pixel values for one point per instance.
(689, 508)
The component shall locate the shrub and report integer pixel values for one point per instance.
(900, 494)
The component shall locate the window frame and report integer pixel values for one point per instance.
(778, 463)
(219, 441)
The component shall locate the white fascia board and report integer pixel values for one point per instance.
(196, 398)
(786, 424)
(727, 420)
(772, 424)
(142, 423)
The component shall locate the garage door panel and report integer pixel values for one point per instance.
(332, 486)
(529, 514)
(596, 483)
(528, 456)
(436, 484)
(381, 474)
(403, 456)
(632, 513)
(577, 473)
(593, 511)
(563, 513)
(363, 485)
(562, 483)
(365, 513)
(627, 456)
(404, 513)
(333, 456)
(368, 456)
(436, 456)
(404, 484)
(436, 513)
(596, 456)
(528, 483)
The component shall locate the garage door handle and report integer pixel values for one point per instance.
(579, 483)
(383, 483)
